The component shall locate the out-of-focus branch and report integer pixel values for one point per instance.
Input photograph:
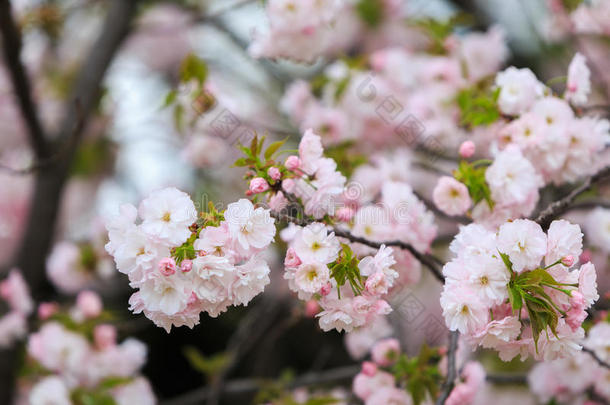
(11, 43)
(562, 205)
(428, 260)
(248, 334)
(599, 361)
(49, 183)
(251, 385)
(507, 379)
(451, 368)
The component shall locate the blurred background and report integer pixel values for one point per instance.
(106, 87)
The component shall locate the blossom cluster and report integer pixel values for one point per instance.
(182, 267)
(310, 177)
(507, 188)
(75, 356)
(400, 94)
(348, 290)
(496, 281)
(307, 29)
(561, 146)
(74, 266)
(15, 292)
(375, 384)
(571, 380)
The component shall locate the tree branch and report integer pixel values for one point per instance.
(451, 368)
(248, 333)
(251, 385)
(12, 53)
(46, 198)
(431, 262)
(599, 361)
(562, 205)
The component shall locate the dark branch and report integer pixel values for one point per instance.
(599, 361)
(21, 84)
(251, 385)
(507, 379)
(451, 368)
(50, 182)
(557, 208)
(431, 262)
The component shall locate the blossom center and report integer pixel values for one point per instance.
(167, 217)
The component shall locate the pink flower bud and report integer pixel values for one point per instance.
(274, 173)
(47, 310)
(344, 214)
(369, 368)
(89, 304)
(467, 149)
(186, 265)
(325, 290)
(167, 266)
(104, 336)
(568, 261)
(292, 259)
(258, 185)
(311, 308)
(292, 162)
(288, 185)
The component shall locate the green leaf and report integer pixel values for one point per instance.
(170, 98)
(193, 68)
(208, 366)
(370, 11)
(506, 261)
(273, 147)
(515, 298)
(113, 382)
(478, 106)
(474, 179)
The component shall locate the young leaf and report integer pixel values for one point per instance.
(272, 148)
(193, 68)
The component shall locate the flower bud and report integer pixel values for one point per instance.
(292, 162)
(167, 266)
(467, 149)
(258, 185)
(568, 261)
(186, 265)
(274, 173)
(292, 259)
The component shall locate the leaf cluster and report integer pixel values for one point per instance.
(420, 374)
(473, 177)
(345, 270)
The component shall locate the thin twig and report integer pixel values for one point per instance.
(249, 332)
(451, 368)
(12, 51)
(251, 385)
(560, 206)
(599, 360)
